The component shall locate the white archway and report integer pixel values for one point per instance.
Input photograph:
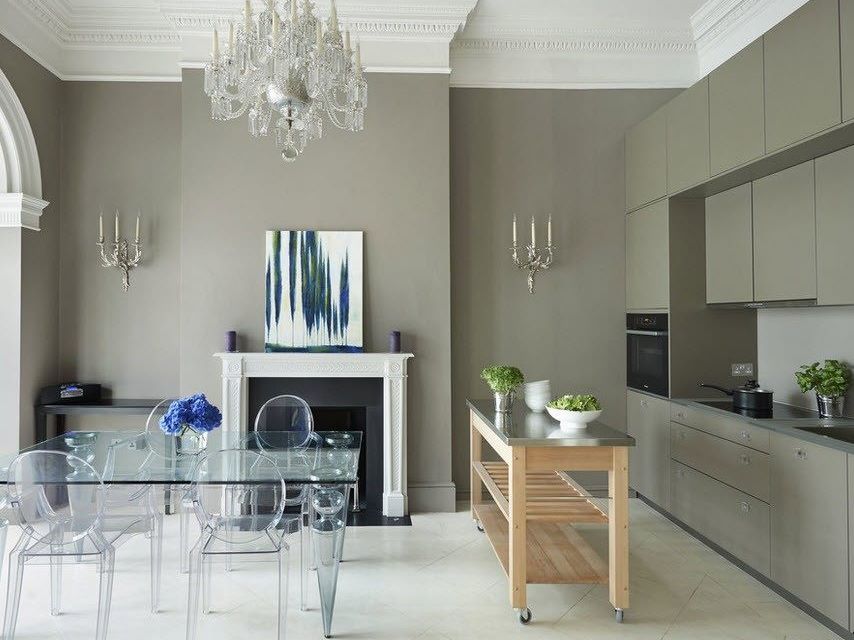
(21, 203)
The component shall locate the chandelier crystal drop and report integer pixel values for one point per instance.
(286, 70)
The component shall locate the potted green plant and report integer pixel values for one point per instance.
(830, 382)
(503, 380)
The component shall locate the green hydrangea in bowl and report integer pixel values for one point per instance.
(574, 412)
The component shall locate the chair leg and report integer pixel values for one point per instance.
(194, 603)
(4, 528)
(55, 584)
(13, 592)
(105, 592)
(283, 590)
(156, 543)
(207, 575)
(184, 522)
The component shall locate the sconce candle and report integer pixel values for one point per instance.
(119, 255)
(537, 259)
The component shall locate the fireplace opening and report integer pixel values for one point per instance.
(338, 404)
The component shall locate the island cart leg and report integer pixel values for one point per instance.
(618, 532)
(476, 482)
(518, 524)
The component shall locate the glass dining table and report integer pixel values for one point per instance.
(326, 460)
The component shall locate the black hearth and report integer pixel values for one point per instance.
(338, 404)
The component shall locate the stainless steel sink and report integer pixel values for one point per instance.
(845, 434)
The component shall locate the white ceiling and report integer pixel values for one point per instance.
(502, 43)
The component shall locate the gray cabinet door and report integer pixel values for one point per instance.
(784, 235)
(648, 421)
(809, 524)
(802, 81)
(846, 29)
(729, 246)
(834, 213)
(737, 110)
(646, 161)
(648, 258)
(688, 138)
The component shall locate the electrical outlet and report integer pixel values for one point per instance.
(742, 369)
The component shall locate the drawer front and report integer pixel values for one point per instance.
(731, 429)
(731, 519)
(738, 466)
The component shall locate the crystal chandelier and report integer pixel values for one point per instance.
(287, 71)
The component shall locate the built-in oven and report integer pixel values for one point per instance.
(647, 360)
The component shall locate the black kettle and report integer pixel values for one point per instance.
(750, 396)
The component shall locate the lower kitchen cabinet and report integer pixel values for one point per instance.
(809, 524)
(648, 420)
(730, 518)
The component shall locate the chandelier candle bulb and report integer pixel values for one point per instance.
(358, 59)
(137, 229)
(101, 228)
(231, 40)
(533, 233)
(333, 18)
(514, 229)
(215, 45)
(275, 26)
(247, 16)
(294, 14)
(347, 42)
(117, 225)
(319, 37)
(549, 234)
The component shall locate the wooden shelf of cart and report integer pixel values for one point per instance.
(535, 502)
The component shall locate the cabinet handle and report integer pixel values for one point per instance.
(744, 507)
(680, 414)
(744, 458)
(744, 435)
(800, 454)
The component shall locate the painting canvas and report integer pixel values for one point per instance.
(314, 291)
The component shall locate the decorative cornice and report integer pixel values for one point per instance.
(18, 210)
(721, 28)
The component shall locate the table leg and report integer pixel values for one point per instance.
(41, 426)
(618, 530)
(327, 534)
(476, 482)
(518, 530)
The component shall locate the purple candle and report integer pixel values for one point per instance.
(394, 342)
(231, 341)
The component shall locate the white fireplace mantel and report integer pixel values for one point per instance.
(237, 368)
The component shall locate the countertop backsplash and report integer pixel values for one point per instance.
(788, 338)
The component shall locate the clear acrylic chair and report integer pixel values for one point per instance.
(59, 501)
(234, 522)
(292, 414)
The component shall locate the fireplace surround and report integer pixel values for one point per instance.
(239, 368)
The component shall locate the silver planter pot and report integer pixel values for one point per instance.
(504, 401)
(830, 407)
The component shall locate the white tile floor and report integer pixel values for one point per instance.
(436, 580)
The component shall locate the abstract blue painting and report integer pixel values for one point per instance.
(314, 291)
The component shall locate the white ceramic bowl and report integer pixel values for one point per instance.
(573, 420)
(537, 395)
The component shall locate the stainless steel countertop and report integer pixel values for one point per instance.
(789, 427)
(524, 428)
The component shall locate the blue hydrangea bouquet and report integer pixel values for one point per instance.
(193, 415)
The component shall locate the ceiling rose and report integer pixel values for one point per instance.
(286, 71)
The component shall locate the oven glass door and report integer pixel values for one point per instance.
(647, 363)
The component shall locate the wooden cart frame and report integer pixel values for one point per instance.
(534, 501)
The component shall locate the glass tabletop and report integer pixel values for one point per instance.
(131, 457)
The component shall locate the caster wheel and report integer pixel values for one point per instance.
(479, 526)
(525, 615)
(618, 615)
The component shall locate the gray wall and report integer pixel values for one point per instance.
(121, 149)
(533, 152)
(390, 181)
(40, 93)
(789, 338)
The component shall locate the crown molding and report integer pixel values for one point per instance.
(151, 40)
(539, 54)
(722, 28)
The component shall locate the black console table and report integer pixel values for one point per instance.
(113, 406)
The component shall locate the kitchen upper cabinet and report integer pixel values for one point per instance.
(729, 246)
(648, 258)
(688, 137)
(846, 30)
(834, 213)
(784, 249)
(737, 110)
(802, 74)
(648, 421)
(809, 524)
(646, 161)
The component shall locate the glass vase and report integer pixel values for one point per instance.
(191, 442)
